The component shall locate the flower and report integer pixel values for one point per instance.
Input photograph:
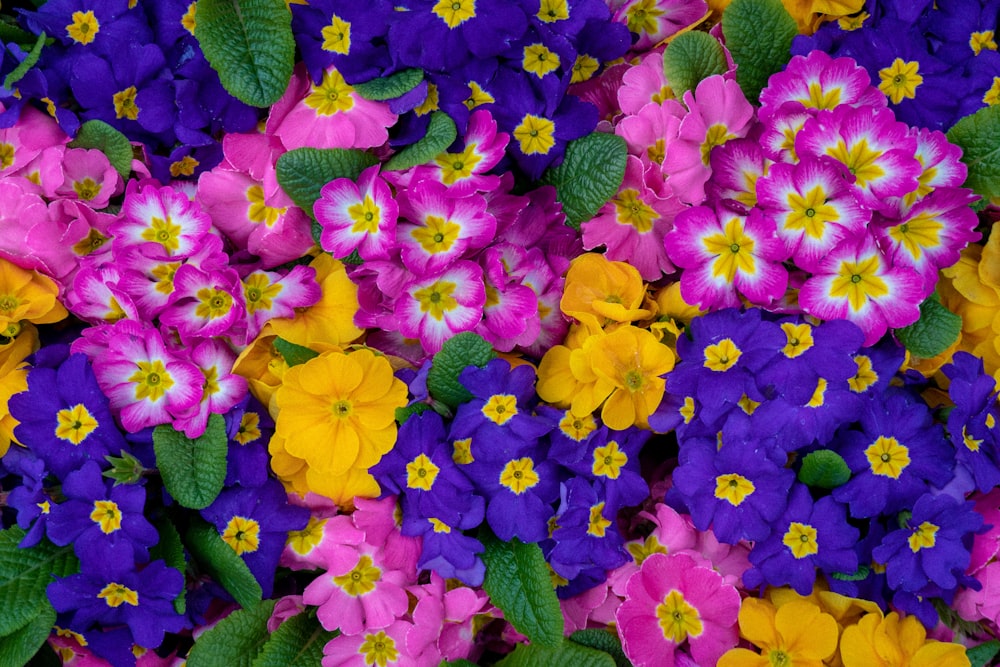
(633, 362)
(877, 641)
(357, 216)
(26, 296)
(797, 633)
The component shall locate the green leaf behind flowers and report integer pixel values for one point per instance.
(458, 352)
(250, 44)
(441, 132)
(115, 145)
(24, 575)
(18, 647)
(691, 57)
(934, 332)
(26, 64)
(293, 354)
(390, 87)
(193, 470)
(602, 640)
(220, 561)
(759, 36)
(561, 655)
(978, 136)
(303, 172)
(983, 654)
(171, 551)
(235, 641)
(517, 581)
(589, 175)
(298, 642)
(824, 469)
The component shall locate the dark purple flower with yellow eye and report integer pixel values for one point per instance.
(64, 417)
(29, 498)
(609, 459)
(586, 534)
(82, 25)
(972, 423)
(348, 35)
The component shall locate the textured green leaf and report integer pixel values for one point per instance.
(298, 642)
(824, 469)
(193, 471)
(518, 582)
(26, 64)
(390, 87)
(24, 575)
(11, 33)
(978, 136)
(458, 352)
(441, 132)
(250, 44)
(402, 414)
(18, 647)
(589, 175)
(171, 551)
(933, 333)
(303, 172)
(691, 57)
(561, 655)
(858, 575)
(220, 561)
(235, 641)
(602, 640)
(759, 36)
(98, 134)
(982, 655)
(293, 354)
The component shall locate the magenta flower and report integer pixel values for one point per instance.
(736, 169)
(816, 82)
(95, 296)
(205, 304)
(89, 177)
(357, 216)
(268, 294)
(465, 171)
(725, 255)
(435, 307)
(672, 602)
(649, 132)
(510, 314)
(221, 389)
(655, 20)
(161, 219)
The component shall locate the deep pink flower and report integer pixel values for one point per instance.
(357, 216)
(644, 84)
(816, 82)
(162, 219)
(656, 20)
(89, 177)
(435, 307)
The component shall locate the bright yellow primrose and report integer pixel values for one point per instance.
(14, 379)
(599, 292)
(633, 361)
(896, 642)
(798, 634)
(26, 296)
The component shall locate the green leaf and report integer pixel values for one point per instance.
(220, 561)
(458, 352)
(11, 33)
(589, 175)
(192, 470)
(560, 655)
(518, 582)
(171, 551)
(933, 333)
(458, 663)
(24, 575)
(26, 64)
(125, 469)
(18, 647)
(441, 132)
(859, 575)
(602, 640)
(303, 172)
(390, 87)
(115, 145)
(235, 641)
(298, 642)
(978, 136)
(250, 44)
(980, 656)
(691, 57)
(293, 354)
(402, 414)
(759, 37)
(824, 469)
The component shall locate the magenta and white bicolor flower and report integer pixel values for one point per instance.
(89, 177)
(777, 136)
(817, 81)
(221, 388)
(736, 168)
(143, 380)
(717, 112)
(510, 314)
(726, 255)
(436, 306)
(205, 304)
(358, 216)
(440, 227)
(813, 207)
(268, 295)
(465, 171)
(941, 161)
(931, 234)
(857, 282)
(871, 144)
(162, 219)
(96, 297)
(655, 20)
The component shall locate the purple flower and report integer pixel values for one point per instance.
(29, 499)
(972, 423)
(345, 34)
(249, 427)
(586, 534)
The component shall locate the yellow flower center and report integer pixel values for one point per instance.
(184, 167)
(305, 540)
(500, 408)
(361, 580)
(584, 68)
(640, 551)
(721, 357)
(801, 540)
(421, 473)
(609, 461)
(643, 16)
(887, 457)
(342, 409)
(258, 291)
(853, 22)
(337, 36)
(819, 394)
(164, 232)
(519, 475)
(164, 274)
(687, 407)
(577, 428)
(811, 212)
(799, 339)
(259, 211)
(462, 453)
(982, 40)
(84, 27)
(456, 166)
(924, 536)
(970, 443)
(477, 96)
(919, 232)
(455, 12)
(860, 160)
(539, 60)
(213, 303)
(535, 135)
(6, 155)
(733, 250)
(900, 80)
(437, 298)
(821, 99)
(631, 210)
(733, 488)
(242, 534)
(439, 526)
(75, 424)
(551, 11)
(106, 515)
(865, 377)
(115, 595)
(379, 649)
(992, 96)
(188, 20)
(747, 404)
(125, 106)
(90, 243)
(151, 380)
(437, 235)
(678, 620)
(430, 102)
(331, 96)
(716, 135)
(858, 282)
(779, 658)
(597, 525)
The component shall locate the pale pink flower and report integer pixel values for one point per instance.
(89, 177)
(644, 84)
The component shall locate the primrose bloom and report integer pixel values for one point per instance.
(818, 82)
(162, 219)
(357, 216)
(797, 633)
(633, 361)
(439, 305)
(26, 296)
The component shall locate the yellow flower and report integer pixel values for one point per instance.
(331, 320)
(673, 313)
(14, 379)
(262, 366)
(599, 291)
(809, 14)
(337, 411)
(632, 360)
(26, 296)
(798, 634)
(896, 642)
(567, 379)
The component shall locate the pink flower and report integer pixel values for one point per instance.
(95, 296)
(650, 132)
(205, 304)
(465, 171)
(437, 306)
(357, 216)
(736, 169)
(221, 389)
(268, 295)
(656, 20)
(816, 82)
(89, 177)
(385, 648)
(672, 601)
(161, 219)
(510, 315)
(20, 144)
(443, 619)
(644, 84)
